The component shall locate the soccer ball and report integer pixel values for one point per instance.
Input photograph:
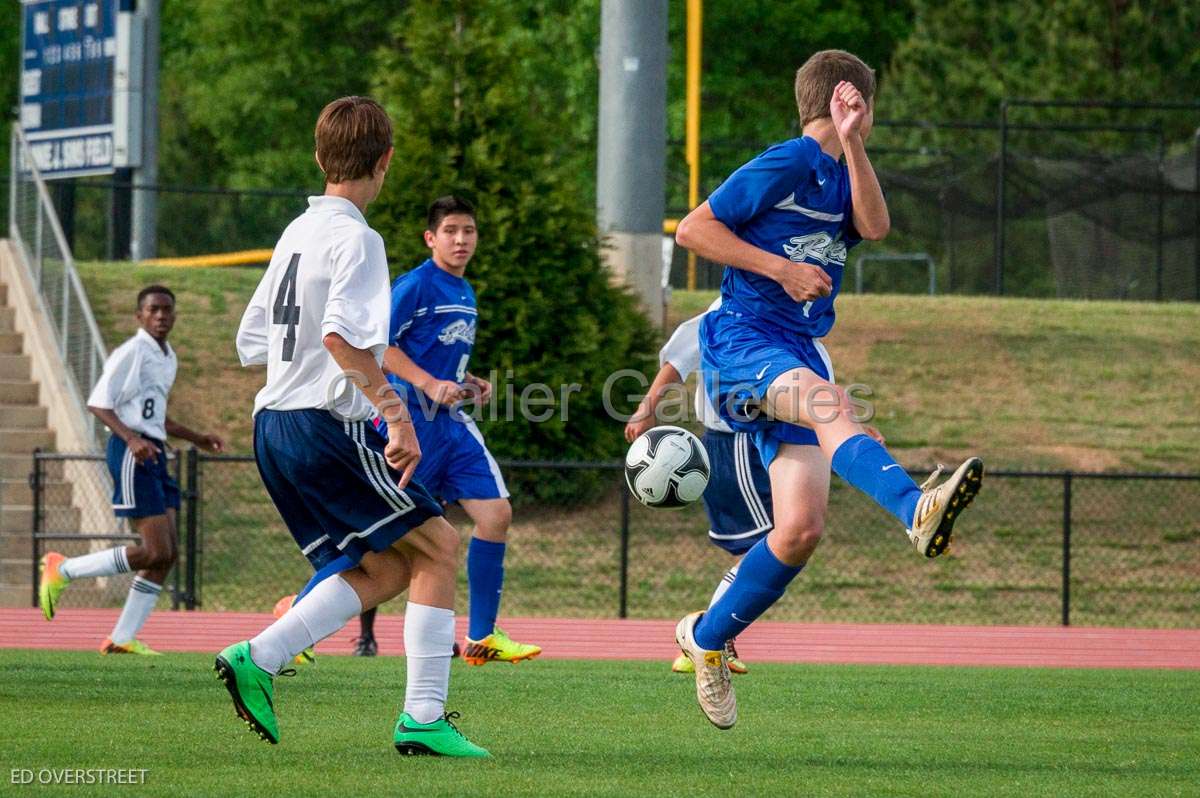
(666, 467)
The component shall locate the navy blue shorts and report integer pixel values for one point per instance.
(330, 483)
(738, 496)
(140, 490)
(455, 462)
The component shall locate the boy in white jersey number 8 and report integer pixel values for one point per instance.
(319, 322)
(130, 398)
(783, 224)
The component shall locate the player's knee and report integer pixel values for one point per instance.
(161, 557)
(825, 402)
(502, 515)
(799, 537)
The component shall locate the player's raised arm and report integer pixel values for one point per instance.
(852, 116)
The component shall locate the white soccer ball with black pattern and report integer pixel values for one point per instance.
(667, 467)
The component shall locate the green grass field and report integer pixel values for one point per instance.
(614, 728)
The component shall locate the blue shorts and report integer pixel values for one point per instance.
(140, 490)
(455, 462)
(330, 483)
(738, 496)
(741, 358)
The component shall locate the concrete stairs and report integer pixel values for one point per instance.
(23, 428)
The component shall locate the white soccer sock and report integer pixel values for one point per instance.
(428, 644)
(328, 607)
(98, 563)
(725, 582)
(142, 596)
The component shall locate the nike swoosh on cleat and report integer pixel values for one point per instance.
(407, 729)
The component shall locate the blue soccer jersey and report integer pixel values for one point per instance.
(793, 200)
(433, 322)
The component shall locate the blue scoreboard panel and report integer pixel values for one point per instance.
(68, 65)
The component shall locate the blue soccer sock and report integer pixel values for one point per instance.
(761, 580)
(485, 577)
(866, 465)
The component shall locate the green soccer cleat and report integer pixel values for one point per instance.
(252, 690)
(440, 738)
(131, 647)
(497, 647)
(52, 583)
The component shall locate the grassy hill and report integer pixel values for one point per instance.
(1026, 383)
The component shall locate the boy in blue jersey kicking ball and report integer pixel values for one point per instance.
(782, 224)
(432, 333)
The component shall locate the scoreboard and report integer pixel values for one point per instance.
(74, 108)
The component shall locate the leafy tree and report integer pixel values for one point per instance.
(10, 53)
(481, 106)
(751, 51)
(249, 76)
(964, 57)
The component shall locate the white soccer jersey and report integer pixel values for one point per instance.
(682, 350)
(328, 274)
(137, 377)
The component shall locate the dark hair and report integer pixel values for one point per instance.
(352, 134)
(442, 207)
(816, 80)
(154, 289)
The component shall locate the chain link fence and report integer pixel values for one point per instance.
(1039, 548)
(72, 498)
(1069, 200)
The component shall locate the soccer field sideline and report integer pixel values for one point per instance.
(572, 638)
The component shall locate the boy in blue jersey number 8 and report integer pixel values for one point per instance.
(783, 224)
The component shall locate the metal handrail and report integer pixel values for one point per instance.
(24, 162)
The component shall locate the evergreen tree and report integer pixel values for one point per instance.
(481, 107)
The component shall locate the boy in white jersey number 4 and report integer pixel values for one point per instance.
(131, 400)
(783, 224)
(319, 322)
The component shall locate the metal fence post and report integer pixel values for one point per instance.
(1066, 554)
(176, 587)
(192, 497)
(35, 485)
(999, 276)
(1196, 192)
(623, 607)
(1161, 190)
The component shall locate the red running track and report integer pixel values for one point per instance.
(1024, 646)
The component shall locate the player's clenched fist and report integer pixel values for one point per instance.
(803, 281)
(446, 392)
(847, 108)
